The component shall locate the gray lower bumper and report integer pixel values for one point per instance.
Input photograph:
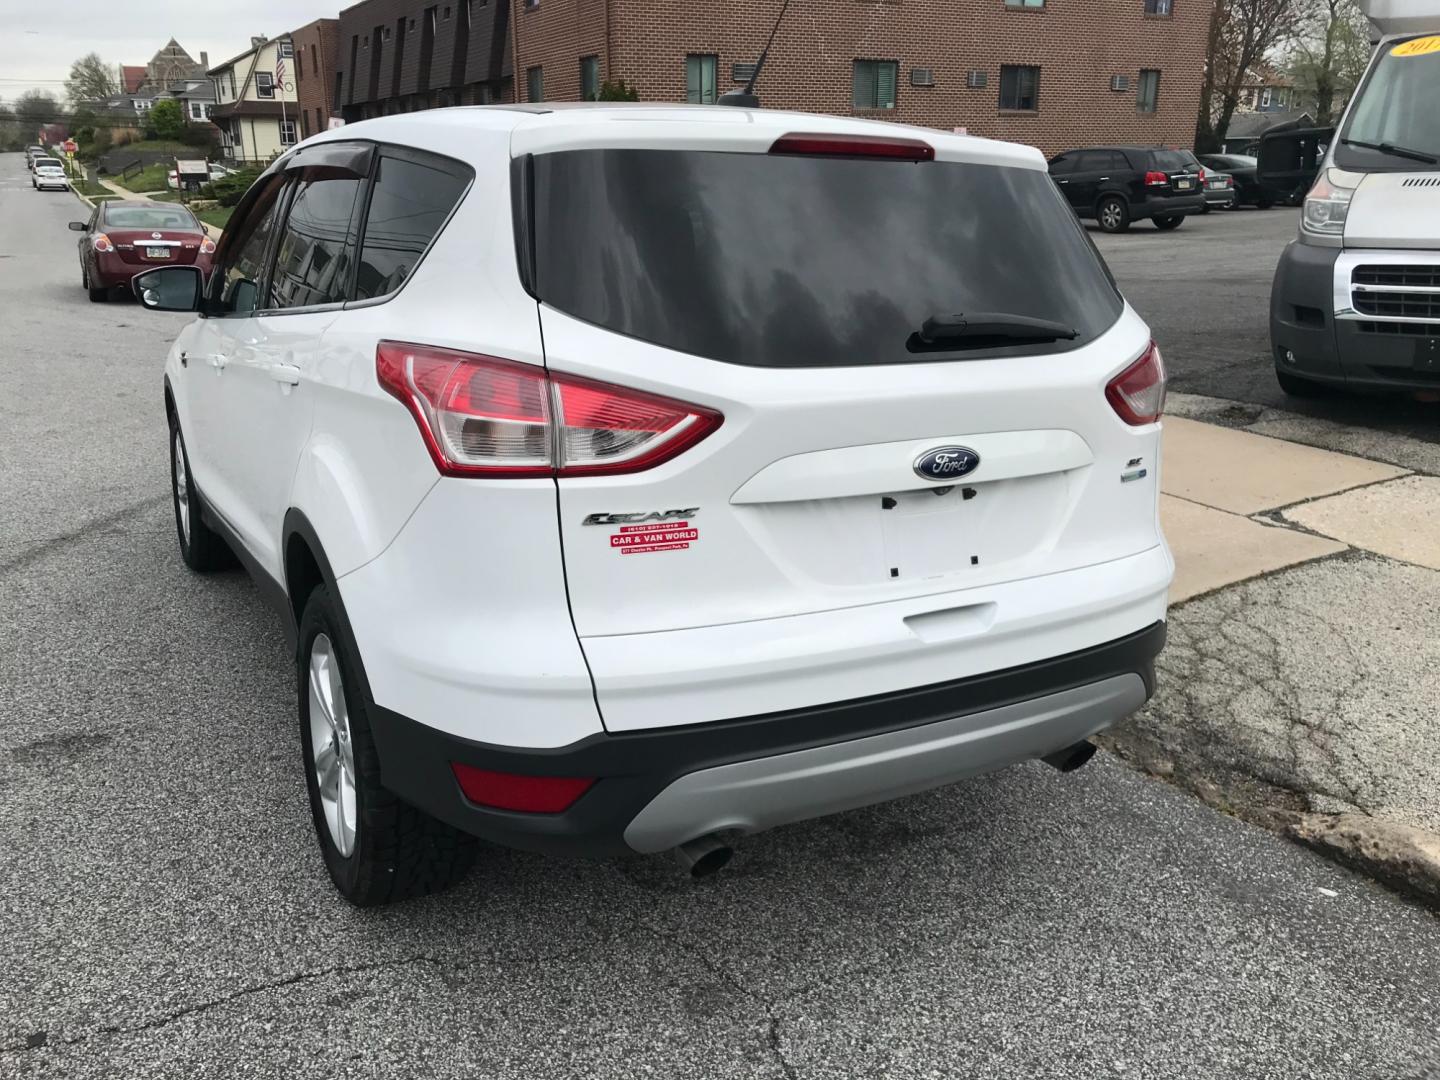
(764, 792)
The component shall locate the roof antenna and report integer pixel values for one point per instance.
(747, 98)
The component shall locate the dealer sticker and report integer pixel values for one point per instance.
(666, 536)
(1422, 46)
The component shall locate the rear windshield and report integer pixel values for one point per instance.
(47, 162)
(1172, 160)
(148, 217)
(788, 261)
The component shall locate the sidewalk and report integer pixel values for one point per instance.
(1301, 682)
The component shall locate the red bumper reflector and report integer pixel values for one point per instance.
(511, 791)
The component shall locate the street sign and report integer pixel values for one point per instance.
(190, 174)
(69, 146)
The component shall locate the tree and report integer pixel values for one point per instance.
(617, 91)
(1242, 33)
(34, 108)
(167, 118)
(91, 79)
(1332, 47)
(11, 137)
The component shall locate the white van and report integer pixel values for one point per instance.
(1356, 298)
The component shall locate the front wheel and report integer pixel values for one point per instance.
(1113, 214)
(376, 848)
(200, 546)
(1168, 222)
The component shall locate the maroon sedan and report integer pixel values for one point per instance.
(123, 238)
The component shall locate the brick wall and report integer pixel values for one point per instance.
(1078, 45)
(314, 67)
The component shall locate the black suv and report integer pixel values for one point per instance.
(1116, 185)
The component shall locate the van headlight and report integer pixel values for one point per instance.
(1328, 202)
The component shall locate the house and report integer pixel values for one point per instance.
(171, 66)
(131, 76)
(1266, 90)
(1053, 73)
(196, 97)
(1243, 134)
(255, 105)
(316, 44)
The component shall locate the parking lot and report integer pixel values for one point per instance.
(164, 913)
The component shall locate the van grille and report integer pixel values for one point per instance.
(1420, 276)
(1399, 329)
(1399, 305)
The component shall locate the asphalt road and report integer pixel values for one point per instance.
(1205, 290)
(163, 911)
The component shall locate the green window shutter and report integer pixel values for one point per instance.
(863, 95)
(692, 80)
(887, 73)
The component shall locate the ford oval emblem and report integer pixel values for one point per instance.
(947, 463)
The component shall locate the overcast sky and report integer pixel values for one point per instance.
(41, 38)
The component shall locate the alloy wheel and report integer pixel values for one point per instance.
(333, 754)
(182, 486)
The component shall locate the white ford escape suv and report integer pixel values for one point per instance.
(627, 477)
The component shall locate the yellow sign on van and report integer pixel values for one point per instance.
(1420, 46)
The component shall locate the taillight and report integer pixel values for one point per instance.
(1155, 179)
(102, 242)
(1137, 394)
(512, 791)
(482, 416)
(879, 146)
(207, 246)
(1202, 176)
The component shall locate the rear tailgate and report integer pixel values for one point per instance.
(856, 465)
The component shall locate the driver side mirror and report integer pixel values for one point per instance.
(77, 226)
(169, 288)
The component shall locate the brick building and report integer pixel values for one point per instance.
(401, 55)
(316, 46)
(1052, 73)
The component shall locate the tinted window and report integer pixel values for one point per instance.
(1094, 161)
(1065, 163)
(317, 245)
(409, 203)
(239, 276)
(1171, 160)
(781, 261)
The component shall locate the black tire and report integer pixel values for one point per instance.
(399, 852)
(1113, 214)
(97, 296)
(1205, 209)
(201, 547)
(1168, 222)
(1264, 204)
(1295, 386)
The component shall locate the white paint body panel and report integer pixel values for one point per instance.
(1386, 212)
(466, 595)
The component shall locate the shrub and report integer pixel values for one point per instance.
(228, 189)
(617, 91)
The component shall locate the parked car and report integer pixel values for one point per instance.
(172, 178)
(49, 173)
(33, 152)
(575, 556)
(1241, 169)
(1219, 191)
(121, 238)
(1116, 185)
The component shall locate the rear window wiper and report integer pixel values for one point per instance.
(984, 329)
(1393, 150)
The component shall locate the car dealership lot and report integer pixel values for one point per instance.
(164, 914)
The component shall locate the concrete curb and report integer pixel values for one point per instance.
(1405, 858)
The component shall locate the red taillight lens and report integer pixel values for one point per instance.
(1202, 176)
(1156, 178)
(528, 794)
(1137, 394)
(101, 242)
(481, 416)
(207, 246)
(879, 146)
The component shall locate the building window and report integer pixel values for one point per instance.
(1147, 99)
(199, 110)
(590, 78)
(534, 84)
(1031, 3)
(700, 79)
(1265, 98)
(1157, 7)
(315, 60)
(447, 14)
(411, 28)
(319, 119)
(875, 84)
(300, 65)
(1019, 88)
(287, 132)
(265, 84)
(287, 49)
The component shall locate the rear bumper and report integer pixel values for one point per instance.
(658, 788)
(1221, 197)
(1166, 205)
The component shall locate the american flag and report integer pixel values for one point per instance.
(280, 72)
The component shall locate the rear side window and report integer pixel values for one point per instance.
(238, 278)
(790, 261)
(410, 199)
(317, 245)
